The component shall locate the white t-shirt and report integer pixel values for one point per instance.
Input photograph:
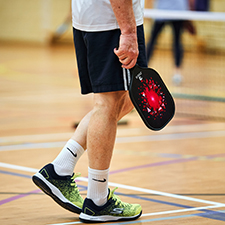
(97, 15)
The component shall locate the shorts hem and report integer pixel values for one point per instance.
(105, 88)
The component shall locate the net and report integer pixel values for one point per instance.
(202, 90)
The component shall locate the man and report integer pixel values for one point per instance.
(109, 40)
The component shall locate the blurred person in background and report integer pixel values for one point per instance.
(177, 26)
(202, 5)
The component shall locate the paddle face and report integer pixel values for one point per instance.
(151, 97)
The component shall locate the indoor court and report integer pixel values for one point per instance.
(176, 174)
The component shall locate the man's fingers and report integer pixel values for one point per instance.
(127, 52)
(125, 61)
(119, 53)
(124, 54)
(130, 65)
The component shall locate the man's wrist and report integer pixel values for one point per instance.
(129, 30)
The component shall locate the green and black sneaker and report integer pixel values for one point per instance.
(113, 210)
(62, 189)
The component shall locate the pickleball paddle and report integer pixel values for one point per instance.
(151, 98)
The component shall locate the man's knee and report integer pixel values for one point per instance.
(113, 103)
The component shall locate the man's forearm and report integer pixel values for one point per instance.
(123, 10)
(128, 46)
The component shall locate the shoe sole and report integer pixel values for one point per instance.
(54, 193)
(105, 218)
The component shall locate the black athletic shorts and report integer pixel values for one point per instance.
(99, 68)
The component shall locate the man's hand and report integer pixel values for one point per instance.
(128, 50)
(128, 46)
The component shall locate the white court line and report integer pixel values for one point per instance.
(168, 129)
(149, 191)
(159, 213)
(131, 139)
(176, 136)
(165, 194)
(183, 210)
(66, 223)
(32, 137)
(212, 203)
(26, 146)
(15, 167)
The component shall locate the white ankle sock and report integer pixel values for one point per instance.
(98, 186)
(65, 162)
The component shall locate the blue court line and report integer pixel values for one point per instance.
(210, 214)
(15, 174)
(155, 200)
(222, 218)
(207, 213)
(152, 220)
(130, 139)
(84, 188)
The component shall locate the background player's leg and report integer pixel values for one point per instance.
(157, 27)
(178, 50)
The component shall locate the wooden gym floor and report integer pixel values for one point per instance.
(177, 174)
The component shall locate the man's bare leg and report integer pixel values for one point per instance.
(65, 162)
(80, 134)
(101, 136)
(102, 127)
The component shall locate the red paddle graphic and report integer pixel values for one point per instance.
(151, 97)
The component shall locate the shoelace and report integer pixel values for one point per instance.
(117, 198)
(75, 175)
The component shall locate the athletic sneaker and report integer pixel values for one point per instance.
(113, 210)
(62, 189)
(177, 79)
